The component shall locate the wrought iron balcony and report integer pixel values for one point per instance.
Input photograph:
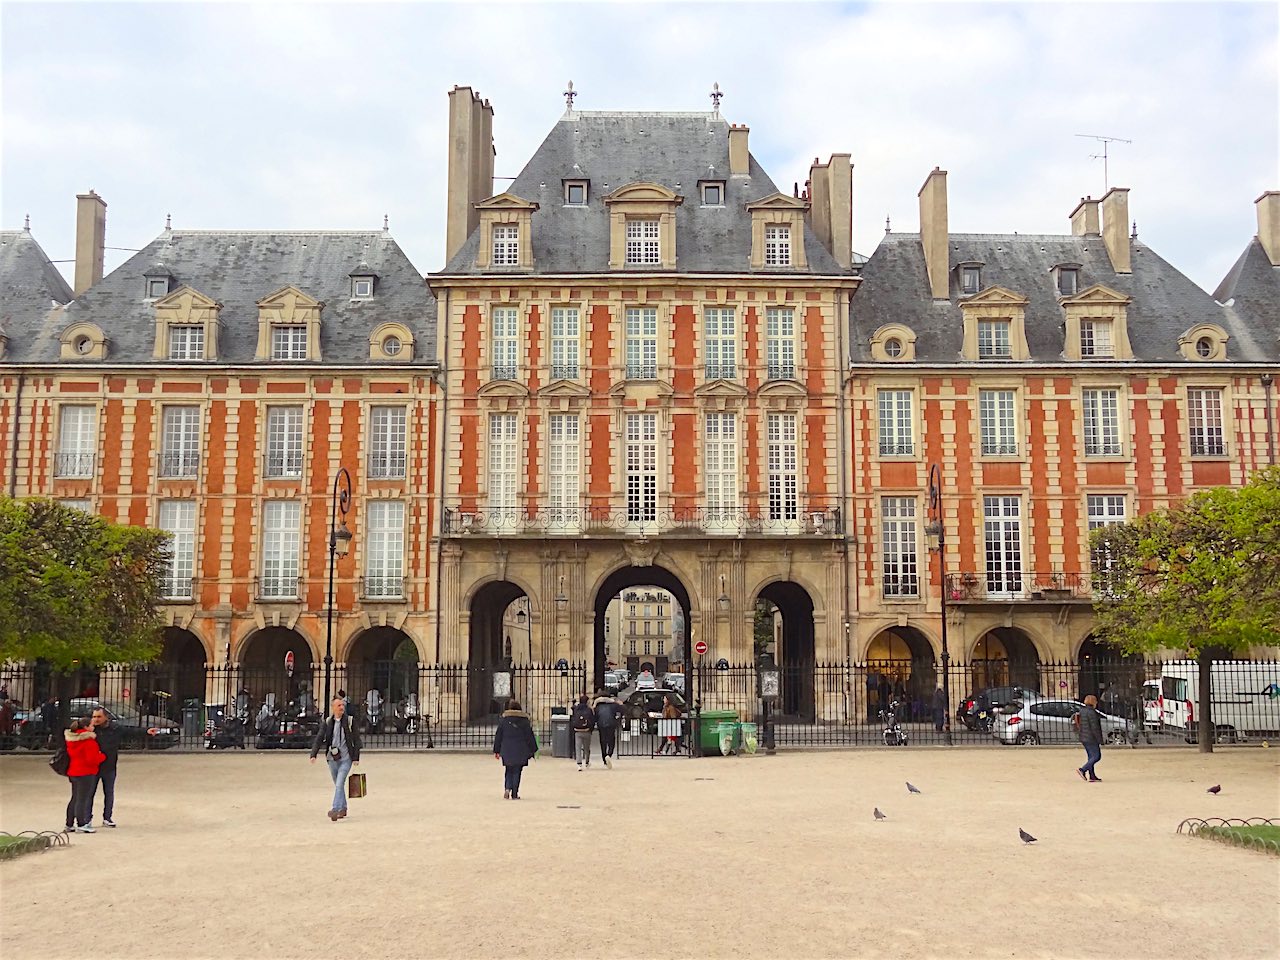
(178, 589)
(278, 588)
(387, 468)
(382, 587)
(283, 466)
(76, 466)
(781, 371)
(721, 371)
(564, 371)
(816, 520)
(177, 465)
(1054, 587)
(504, 371)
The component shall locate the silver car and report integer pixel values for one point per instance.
(1036, 720)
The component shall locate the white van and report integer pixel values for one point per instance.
(1245, 697)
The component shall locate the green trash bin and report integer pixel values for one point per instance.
(708, 732)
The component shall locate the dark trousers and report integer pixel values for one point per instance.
(107, 778)
(608, 738)
(511, 778)
(939, 715)
(80, 806)
(1093, 753)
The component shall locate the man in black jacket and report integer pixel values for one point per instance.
(341, 746)
(607, 709)
(109, 736)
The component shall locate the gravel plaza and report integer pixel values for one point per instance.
(233, 856)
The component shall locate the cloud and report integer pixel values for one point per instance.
(303, 116)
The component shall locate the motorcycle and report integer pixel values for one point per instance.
(226, 734)
(373, 712)
(408, 718)
(894, 735)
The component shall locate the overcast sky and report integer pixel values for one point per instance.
(240, 116)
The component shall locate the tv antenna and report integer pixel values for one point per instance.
(1106, 174)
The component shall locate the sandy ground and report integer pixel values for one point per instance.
(232, 856)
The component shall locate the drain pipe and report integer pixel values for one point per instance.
(1271, 427)
(439, 442)
(846, 460)
(17, 420)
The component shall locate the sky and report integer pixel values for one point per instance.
(328, 116)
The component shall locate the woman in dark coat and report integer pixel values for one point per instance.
(515, 745)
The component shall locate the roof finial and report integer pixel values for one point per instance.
(569, 94)
(27, 224)
(1134, 236)
(386, 222)
(716, 97)
(168, 221)
(886, 225)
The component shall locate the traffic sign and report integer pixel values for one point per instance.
(700, 648)
(288, 663)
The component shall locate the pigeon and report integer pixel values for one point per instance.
(878, 815)
(1026, 837)
(1215, 789)
(912, 788)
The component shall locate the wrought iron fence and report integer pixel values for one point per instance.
(818, 519)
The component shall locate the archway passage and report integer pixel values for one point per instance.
(794, 644)
(263, 672)
(1112, 676)
(901, 666)
(487, 651)
(384, 659)
(621, 581)
(1004, 656)
(176, 678)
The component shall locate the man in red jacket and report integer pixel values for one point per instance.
(82, 749)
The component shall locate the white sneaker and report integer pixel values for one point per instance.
(108, 822)
(608, 762)
(87, 828)
(579, 768)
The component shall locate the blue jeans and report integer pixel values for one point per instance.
(1093, 753)
(338, 769)
(511, 778)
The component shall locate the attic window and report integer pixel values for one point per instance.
(1068, 281)
(713, 193)
(575, 193)
(361, 288)
(1205, 347)
(157, 287)
(970, 278)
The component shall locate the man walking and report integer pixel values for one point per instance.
(1088, 723)
(583, 721)
(341, 746)
(607, 709)
(109, 736)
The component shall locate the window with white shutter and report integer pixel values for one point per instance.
(504, 466)
(505, 344)
(1204, 418)
(1101, 422)
(1002, 529)
(565, 343)
(897, 423)
(997, 423)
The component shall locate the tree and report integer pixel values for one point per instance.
(77, 589)
(1203, 576)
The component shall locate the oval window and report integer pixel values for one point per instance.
(893, 347)
(391, 346)
(1204, 347)
(83, 345)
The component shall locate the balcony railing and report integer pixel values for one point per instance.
(387, 468)
(721, 371)
(74, 465)
(288, 589)
(564, 371)
(282, 466)
(382, 587)
(900, 448)
(172, 466)
(178, 589)
(642, 371)
(504, 371)
(1051, 587)
(818, 520)
(781, 371)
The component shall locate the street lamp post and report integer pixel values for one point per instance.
(339, 546)
(936, 534)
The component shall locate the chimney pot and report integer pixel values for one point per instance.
(1269, 225)
(1084, 218)
(1115, 229)
(739, 155)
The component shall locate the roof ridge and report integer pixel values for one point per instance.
(375, 232)
(687, 114)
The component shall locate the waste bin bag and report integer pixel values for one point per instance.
(749, 733)
(561, 738)
(728, 737)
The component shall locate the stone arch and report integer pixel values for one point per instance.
(262, 668)
(1109, 674)
(1002, 656)
(816, 595)
(177, 675)
(486, 651)
(901, 664)
(479, 584)
(623, 577)
(794, 627)
(381, 658)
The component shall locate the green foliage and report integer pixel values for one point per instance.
(762, 627)
(1203, 574)
(76, 587)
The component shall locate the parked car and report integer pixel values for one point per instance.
(673, 681)
(645, 681)
(612, 682)
(138, 732)
(1037, 720)
(978, 709)
(645, 706)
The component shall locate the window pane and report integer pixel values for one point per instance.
(180, 442)
(899, 562)
(783, 490)
(720, 460)
(1002, 528)
(387, 442)
(284, 442)
(563, 469)
(565, 343)
(780, 343)
(993, 339)
(777, 245)
(896, 423)
(997, 423)
(504, 459)
(384, 545)
(1101, 422)
(505, 345)
(642, 241)
(289, 342)
(642, 467)
(1204, 416)
(721, 345)
(506, 246)
(280, 539)
(77, 441)
(178, 519)
(186, 343)
(642, 343)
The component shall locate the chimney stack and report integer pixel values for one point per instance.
(91, 239)
(1084, 218)
(819, 213)
(470, 164)
(1115, 229)
(1269, 225)
(739, 158)
(830, 214)
(933, 232)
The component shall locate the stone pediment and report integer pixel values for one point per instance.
(641, 389)
(782, 388)
(506, 201)
(996, 296)
(645, 192)
(503, 388)
(1098, 294)
(721, 388)
(186, 297)
(290, 299)
(778, 201)
(565, 389)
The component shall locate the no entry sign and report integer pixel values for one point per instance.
(700, 648)
(288, 663)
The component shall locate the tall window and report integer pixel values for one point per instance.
(180, 441)
(720, 458)
(506, 245)
(387, 442)
(642, 467)
(289, 342)
(1204, 417)
(563, 468)
(77, 441)
(178, 519)
(284, 442)
(780, 343)
(565, 343)
(996, 420)
(993, 340)
(897, 435)
(504, 467)
(642, 343)
(505, 345)
(1096, 339)
(719, 333)
(1105, 510)
(777, 245)
(1101, 422)
(384, 546)
(899, 565)
(783, 457)
(1002, 529)
(642, 241)
(280, 522)
(186, 343)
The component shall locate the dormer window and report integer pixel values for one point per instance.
(970, 278)
(575, 193)
(157, 288)
(713, 193)
(777, 245)
(289, 342)
(1068, 281)
(361, 288)
(643, 245)
(994, 342)
(186, 342)
(506, 245)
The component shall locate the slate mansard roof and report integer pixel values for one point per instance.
(237, 269)
(1250, 295)
(1165, 303)
(611, 150)
(30, 286)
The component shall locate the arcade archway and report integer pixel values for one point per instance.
(1004, 656)
(383, 659)
(901, 666)
(495, 608)
(617, 585)
(790, 608)
(265, 675)
(178, 675)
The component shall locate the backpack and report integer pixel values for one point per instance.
(583, 718)
(60, 762)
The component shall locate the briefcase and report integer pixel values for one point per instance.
(356, 786)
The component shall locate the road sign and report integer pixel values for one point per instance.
(288, 663)
(700, 648)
